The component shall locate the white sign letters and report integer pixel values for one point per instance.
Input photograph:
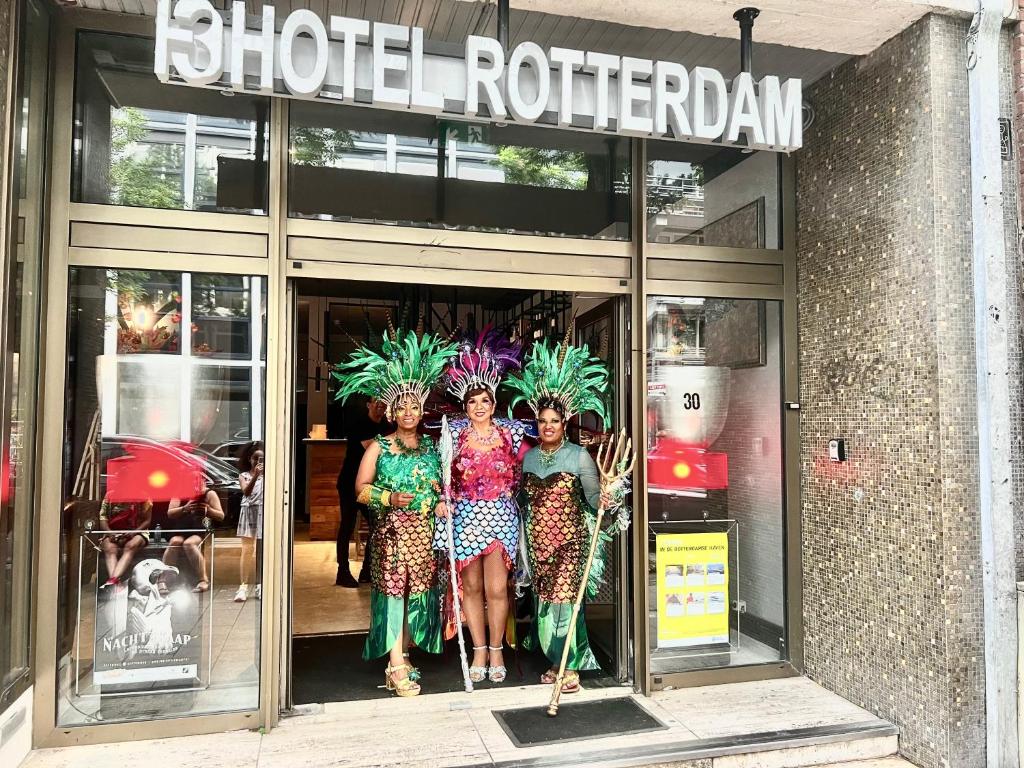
(386, 66)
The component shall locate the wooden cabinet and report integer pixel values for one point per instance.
(323, 462)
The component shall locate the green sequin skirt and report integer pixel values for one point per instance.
(387, 616)
(551, 628)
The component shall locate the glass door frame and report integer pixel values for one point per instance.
(733, 269)
(625, 662)
(611, 267)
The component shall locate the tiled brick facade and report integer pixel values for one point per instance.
(892, 580)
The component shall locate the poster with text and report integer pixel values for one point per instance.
(693, 589)
(149, 630)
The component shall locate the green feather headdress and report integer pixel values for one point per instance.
(565, 374)
(409, 363)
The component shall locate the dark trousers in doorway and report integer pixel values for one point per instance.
(350, 511)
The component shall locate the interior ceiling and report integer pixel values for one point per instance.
(494, 298)
(450, 21)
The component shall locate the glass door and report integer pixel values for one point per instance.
(715, 499)
(602, 329)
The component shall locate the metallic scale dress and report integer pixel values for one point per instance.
(560, 497)
(484, 485)
(402, 562)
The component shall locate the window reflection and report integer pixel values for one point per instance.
(711, 195)
(714, 479)
(21, 281)
(139, 142)
(165, 378)
(385, 167)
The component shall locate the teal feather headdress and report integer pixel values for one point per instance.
(564, 374)
(409, 363)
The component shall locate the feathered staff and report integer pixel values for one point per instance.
(447, 451)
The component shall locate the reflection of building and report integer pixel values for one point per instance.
(183, 358)
(182, 150)
(688, 400)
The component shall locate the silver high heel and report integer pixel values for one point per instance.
(499, 673)
(477, 674)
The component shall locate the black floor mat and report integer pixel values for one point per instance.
(331, 668)
(530, 726)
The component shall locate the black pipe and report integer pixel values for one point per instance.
(746, 16)
(503, 24)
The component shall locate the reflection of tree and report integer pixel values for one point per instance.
(138, 172)
(538, 167)
(665, 190)
(322, 147)
(219, 296)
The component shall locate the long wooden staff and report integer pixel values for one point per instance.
(613, 468)
(447, 450)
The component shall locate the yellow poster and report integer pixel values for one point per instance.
(693, 589)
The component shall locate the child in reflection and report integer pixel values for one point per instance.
(250, 519)
(128, 526)
(193, 516)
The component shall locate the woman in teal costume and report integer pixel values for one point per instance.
(560, 492)
(399, 480)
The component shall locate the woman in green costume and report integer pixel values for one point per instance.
(399, 480)
(560, 493)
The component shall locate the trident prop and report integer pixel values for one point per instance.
(447, 450)
(615, 468)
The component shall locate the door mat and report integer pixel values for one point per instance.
(616, 716)
(331, 668)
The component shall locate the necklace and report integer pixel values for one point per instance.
(489, 439)
(404, 448)
(547, 458)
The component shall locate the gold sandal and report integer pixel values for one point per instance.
(571, 681)
(404, 686)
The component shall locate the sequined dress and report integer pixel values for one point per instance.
(559, 498)
(484, 485)
(403, 565)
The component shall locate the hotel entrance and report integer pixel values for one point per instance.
(330, 590)
(213, 258)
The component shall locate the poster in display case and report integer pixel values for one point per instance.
(692, 589)
(150, 632)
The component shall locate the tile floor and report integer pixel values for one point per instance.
(458, 729)
(319, 606)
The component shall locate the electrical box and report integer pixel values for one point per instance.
(837, 450)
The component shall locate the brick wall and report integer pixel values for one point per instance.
(892, 587)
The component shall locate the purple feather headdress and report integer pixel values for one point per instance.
(481, 362)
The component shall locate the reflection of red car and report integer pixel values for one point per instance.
(673, 465)
(154, 473)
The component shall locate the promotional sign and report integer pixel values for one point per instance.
(692, 588)
(149, 629)
(382, 65)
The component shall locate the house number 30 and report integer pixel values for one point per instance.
(691, 401)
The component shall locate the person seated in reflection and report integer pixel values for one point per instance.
(250, 519)
(193, 515)
(128, 525)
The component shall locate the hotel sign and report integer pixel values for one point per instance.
(354, 61)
